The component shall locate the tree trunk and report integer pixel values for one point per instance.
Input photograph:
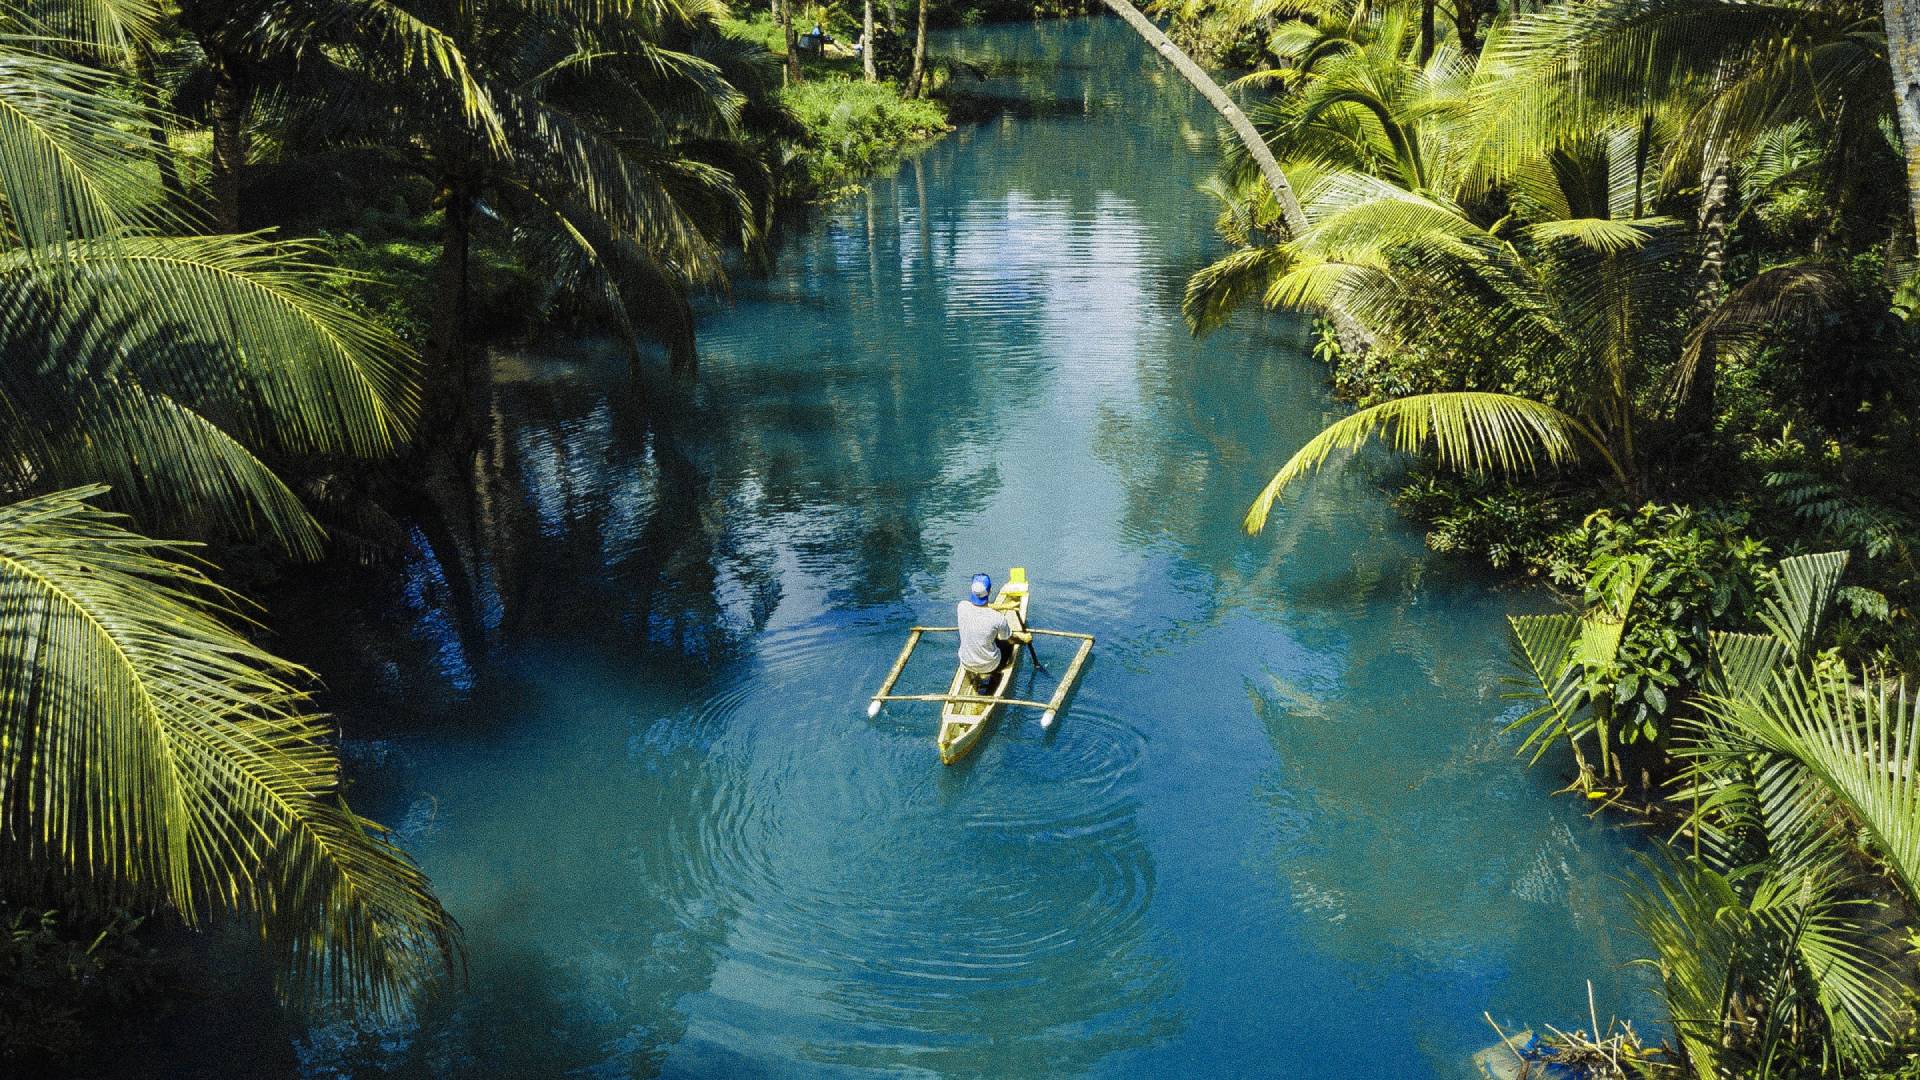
(1903, 55)
(1426, 30)
(866, 44)
(1695, 412)
(229, 118)
(916, 81)
(793, 41)
(1466, 25)
(143, 71)
(1354, 338)
(450, 385)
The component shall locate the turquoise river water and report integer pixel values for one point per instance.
(1279, 833)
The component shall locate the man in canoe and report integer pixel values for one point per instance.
(986, 637)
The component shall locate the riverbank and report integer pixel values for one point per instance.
(1688, 406)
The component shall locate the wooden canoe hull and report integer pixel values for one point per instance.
(963, 724)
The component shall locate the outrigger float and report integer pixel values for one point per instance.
(964, 716)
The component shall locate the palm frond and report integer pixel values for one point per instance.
(149, 748)
(73, 153)
(238, 323)
(1470, 432)
(1861, 742)
(1543, 646)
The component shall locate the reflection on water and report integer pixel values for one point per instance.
(1278, 834)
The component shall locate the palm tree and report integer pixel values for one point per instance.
(169, 364)
(149, 753)
(868, 70)
(1361, 95)
(1572, 308)
(152, 755)
(1792, 767)
(1766, 949)
(916, 78)
(792, 41)
(1355, 336)
(609, 131)
(1902, 26)
(1722, 75)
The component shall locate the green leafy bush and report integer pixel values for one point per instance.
(855, 128)
(1512, 525)
(1704, 572)
(60, 976)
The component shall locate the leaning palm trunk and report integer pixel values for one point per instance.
(1354, 338)
(916, 80)
(867, 67)
(1903, 55)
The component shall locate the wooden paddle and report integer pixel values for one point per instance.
(1035, 653)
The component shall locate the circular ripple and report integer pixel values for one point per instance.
(862, 883)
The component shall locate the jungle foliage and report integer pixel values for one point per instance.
(1639, 281)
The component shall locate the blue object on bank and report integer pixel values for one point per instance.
(1537, 1051)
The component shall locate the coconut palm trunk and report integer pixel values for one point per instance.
(449, 381)
(143, 71)
(866, 43)
(1903, 55)
(1354, 338)
(793, 41)
(916, 81)
(1466, 25)
(1695, 413)
(229, 121)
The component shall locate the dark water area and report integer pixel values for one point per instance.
(1279, 833)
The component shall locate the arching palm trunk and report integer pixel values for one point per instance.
(1903, 55)
(916, 81)
(866, 43)
(1353, 337)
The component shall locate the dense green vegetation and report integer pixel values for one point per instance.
(1634, 282)
(1633, 279)
(181, 362)
(854, 128)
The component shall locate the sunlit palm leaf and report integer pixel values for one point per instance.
(1803, 594)
(1861, 743)
(170, 464)
(236, 321)
(73, 153)
(1682, 909)
(1543, 645)
(147, 746)
(1468, 432)
(104, 26)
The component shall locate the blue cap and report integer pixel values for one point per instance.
(982, 588)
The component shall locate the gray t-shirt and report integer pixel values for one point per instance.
(980, 627)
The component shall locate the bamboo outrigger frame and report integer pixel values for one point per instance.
(1052, 707)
